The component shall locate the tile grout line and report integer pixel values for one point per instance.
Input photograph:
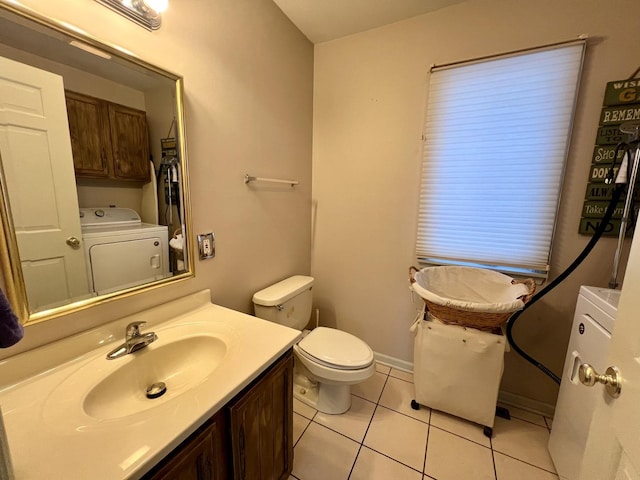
(377, 404)
(371, 420)
(493, 457)
(303, 431)
(545, 426)
(426, 447)
(369, 425)
(414, 418)
(305, 428)
(460, 436)
(428, 423)
(392, 459)
(381, 391)
(335, 431)
(353, 465)
(526, 463)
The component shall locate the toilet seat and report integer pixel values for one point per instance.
(336, 349)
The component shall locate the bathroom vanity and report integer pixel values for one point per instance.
(251, 437)
(227, 411)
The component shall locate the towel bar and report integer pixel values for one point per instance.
(249, 179)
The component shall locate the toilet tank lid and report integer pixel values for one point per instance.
(282, 291)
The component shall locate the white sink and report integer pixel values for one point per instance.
(101, 390)
(180, 365)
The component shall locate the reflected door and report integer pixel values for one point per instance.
(38, 165)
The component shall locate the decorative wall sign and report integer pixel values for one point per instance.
(621, 104)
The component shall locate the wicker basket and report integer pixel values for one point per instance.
(486, 321)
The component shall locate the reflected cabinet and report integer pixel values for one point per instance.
(107, 140)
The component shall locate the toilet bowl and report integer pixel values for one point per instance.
(327, 361)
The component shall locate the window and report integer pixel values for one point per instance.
(496, 139)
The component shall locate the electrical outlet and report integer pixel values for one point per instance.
(206, 245)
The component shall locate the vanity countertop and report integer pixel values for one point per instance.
(51, 432)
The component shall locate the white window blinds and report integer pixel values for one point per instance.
(496, 139)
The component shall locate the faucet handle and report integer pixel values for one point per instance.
(133, 329)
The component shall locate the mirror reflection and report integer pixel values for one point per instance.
(90, 143)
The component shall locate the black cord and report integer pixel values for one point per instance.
(617, 192)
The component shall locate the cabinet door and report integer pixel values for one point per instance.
(200, 457)
(130, 143)
(89, 130)
(262, 426)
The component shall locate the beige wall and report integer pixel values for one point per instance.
(369, 96)
(248, 94)
(248, 90)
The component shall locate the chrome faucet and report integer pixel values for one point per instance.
(133, 341)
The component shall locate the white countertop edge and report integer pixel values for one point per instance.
(43, 449)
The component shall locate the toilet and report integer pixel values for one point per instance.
(327, 361)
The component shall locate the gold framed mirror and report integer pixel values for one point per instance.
(94, 182)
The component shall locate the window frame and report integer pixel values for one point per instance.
(539, 268)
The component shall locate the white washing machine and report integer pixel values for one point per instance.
(589, 343)
(120, 250)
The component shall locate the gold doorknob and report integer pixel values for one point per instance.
(612, 379)
(73, 242)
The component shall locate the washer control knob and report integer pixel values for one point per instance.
(99, 213)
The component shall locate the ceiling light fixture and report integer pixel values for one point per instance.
(145, 13)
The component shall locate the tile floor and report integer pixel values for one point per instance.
(382, 437)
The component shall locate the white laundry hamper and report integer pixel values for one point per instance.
(458, 370)
(459, 345)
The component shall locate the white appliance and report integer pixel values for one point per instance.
(589, 343)
(120, 250)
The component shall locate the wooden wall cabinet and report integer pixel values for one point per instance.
(107, 140)
(251, 438)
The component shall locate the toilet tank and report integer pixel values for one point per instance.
(287, 302)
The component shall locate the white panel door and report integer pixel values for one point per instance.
(35, 148)
(613, 447)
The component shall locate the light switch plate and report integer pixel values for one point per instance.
(206, 246)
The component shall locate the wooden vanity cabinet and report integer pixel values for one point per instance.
(261, 426)
(203, 456)
(107, 140)
(251, 438)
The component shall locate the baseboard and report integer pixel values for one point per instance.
(507, 398)
(393, 362)
(534, 406)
